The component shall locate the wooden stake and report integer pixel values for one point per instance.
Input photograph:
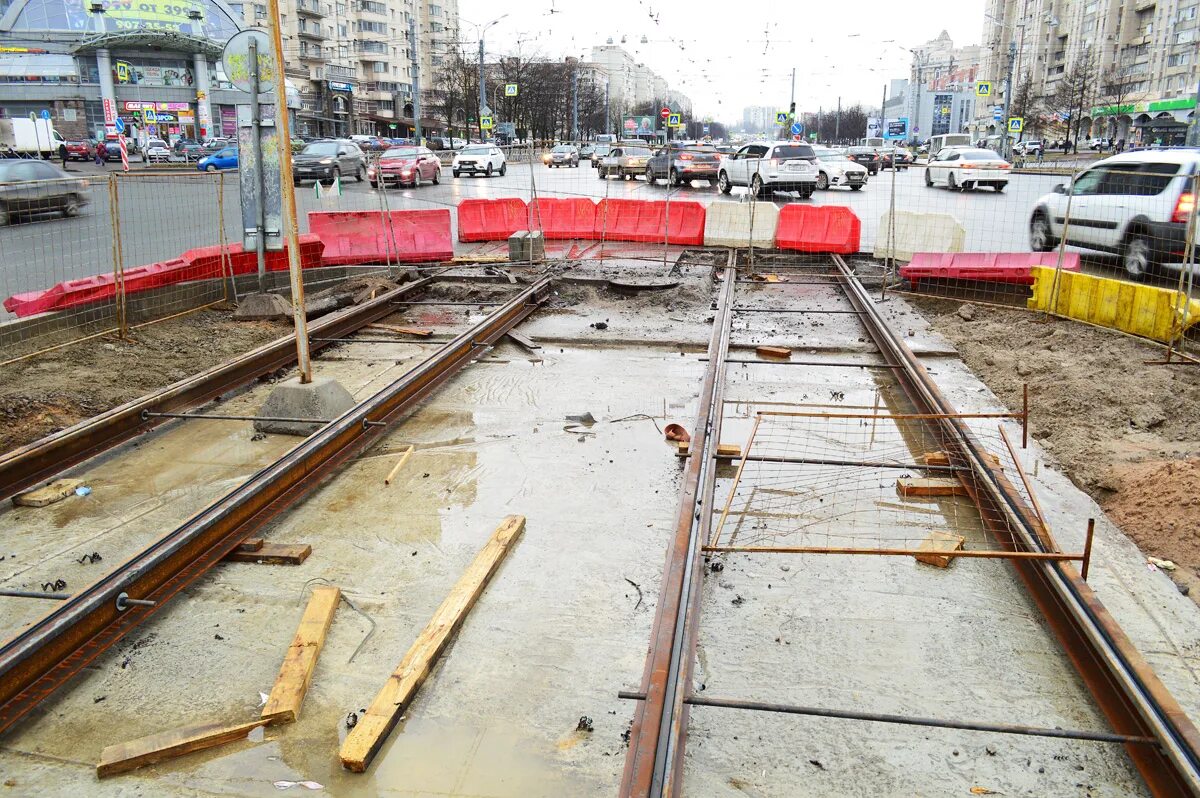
(403, 459)
(123, 757)
(369, 735)
(301, 659)
(272, 554)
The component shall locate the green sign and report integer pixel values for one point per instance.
(392, 125)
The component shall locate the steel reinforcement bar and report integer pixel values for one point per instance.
(50, 651)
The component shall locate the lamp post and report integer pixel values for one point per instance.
(483, 106)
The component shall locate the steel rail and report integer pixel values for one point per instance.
(54, 648)
(36, 462)
(1122, 683)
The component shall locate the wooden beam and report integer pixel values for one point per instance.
(773, 351)
(369, 735)
(301, 659)
(912, 487)
(420, 332)
(250, 544)
(272, 554)
(56, 491)
(399, 464)
(523, 340)
(158, 747)
(937, 542)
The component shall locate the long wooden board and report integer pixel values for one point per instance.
(123, 757)
(369, 735)
(914, 487)
(272, 554)
(301, 659)
(56, 491)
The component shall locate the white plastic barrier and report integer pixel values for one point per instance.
(740, 224)
(919, 232)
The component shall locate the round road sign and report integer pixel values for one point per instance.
(236, 61)
(665, 112)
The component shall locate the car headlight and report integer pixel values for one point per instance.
(326, 161)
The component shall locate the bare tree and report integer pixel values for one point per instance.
(1077, 91)
(1121, 88)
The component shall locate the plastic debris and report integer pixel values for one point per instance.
(1166, 565)
(308, 785)
(82, 490)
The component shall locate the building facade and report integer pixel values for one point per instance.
(759, 119)
(631, 84)
(941, 88)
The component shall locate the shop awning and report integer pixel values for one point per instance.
(42, 65)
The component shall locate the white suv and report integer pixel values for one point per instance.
(479, 158)
(767, 166)
(1136, 204)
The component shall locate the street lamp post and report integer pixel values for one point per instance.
(483, 106)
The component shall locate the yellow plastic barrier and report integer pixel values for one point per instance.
(1145, 310)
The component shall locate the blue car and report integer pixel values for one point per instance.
(221, 159)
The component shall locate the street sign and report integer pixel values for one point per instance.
(797, 128)
(983, 88)
(391, 125)
(149, 115)
(235, 59)
(706, 130)
(1016, 124)
(997, 113)
(812, 136)
(665, 113)
(781, 118)
(45, 114)
(119, 125)
(510, 89)
(673, 120)
(485, 122)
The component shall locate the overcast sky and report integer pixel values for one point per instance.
(725, 60)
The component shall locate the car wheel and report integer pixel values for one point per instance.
(856, 188)
(805, 193)
(456, 172)
(337, 175)
(676, 179)
(417, 179)
(756, 187)
(600, 173)
(1137, 258)
(210, 168)
(358, 173)
(928, 179)
(999, 187)
(374, 184)
(437, 175)
(723, 183)
(489, 170)
(503, 169)
(822, 181)
(71, 206)
(1040, 237)
(951, 183)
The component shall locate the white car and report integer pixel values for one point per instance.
(157, 151)
(767, 166)
(1136, 204)
(835, 169)
(1028, 146)
(963, 168)
(477, 159)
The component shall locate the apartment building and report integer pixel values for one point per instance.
(759, 118)
(941, 88)
(632, 84)
(1144, 53)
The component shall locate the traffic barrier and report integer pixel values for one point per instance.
(491, 219)
(206, 262)
(919, 232)
(741, 224)
(373, 237)
(650, 221)
(989, 267)
(1145, 310)
(562, 219)
(818, 228)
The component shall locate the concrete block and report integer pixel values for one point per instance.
(323, 400)
(526, 247)
(741, 224)
(256, 307)
(919, 232)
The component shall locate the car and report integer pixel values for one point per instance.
(157, 151)
(895, 158)
(626, 161)
(405, 166)
(1028, 147)
(562, 155)
(457, 144)
(585, 152)
(1136, 205)
(680, 163)
(212, 145)
(1100, 144)
(29, 187)
(835, 169)
(438, 143)
(767, 166)
(486, 159)
(112, 150)
(599, 152)
(329, 159)
(966, 168)
(80, 150)
(226, 158)
(866, 156)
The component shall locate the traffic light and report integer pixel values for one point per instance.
(792, 110)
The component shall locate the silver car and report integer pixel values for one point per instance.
(562, 155)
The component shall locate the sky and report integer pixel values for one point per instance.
(724, 60)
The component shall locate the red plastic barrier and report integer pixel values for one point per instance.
(648, 221)
(206, 261)
(491, 220)
(371, 237)
(991, 267)
(563, 219)
(818, 228)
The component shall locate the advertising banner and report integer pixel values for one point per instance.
(638, 125)
(896, 129)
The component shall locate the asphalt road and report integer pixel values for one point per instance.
(161, 216)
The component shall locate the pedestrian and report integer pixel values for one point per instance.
(62, 152)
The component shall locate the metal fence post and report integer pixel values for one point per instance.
(114, 210)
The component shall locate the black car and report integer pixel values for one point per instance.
(895, 158)
(190, 149)
(866, 156)
(329, 159)
(680, 163)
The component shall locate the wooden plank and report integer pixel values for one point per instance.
(943, 459)
(913, 487)
(250, 544)
(368, 736)
(123, 757)
(301, 659)
(774, 351)
(273, 554)
(400, 464)
(56, 491)
(725, 451)
(524, 341)
(936, 542)
(417, 331)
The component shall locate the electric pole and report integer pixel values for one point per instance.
(482, 90)
(575, 103)
(416, 80)
(1006, 146)
(882, 115)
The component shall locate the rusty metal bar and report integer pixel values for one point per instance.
(830, 363)
(971, 554)
(47, 653)
(887, 416)
(1024, 416)
(767, 458)
(1043, 528)
(1087, 549)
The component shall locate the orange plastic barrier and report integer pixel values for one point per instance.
(491, 219)
(818, 228)
(374, 237)
(562, 219)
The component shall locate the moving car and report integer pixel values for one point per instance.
(226, 158)
(80, 150)
(835, 169)
(29, 187)
(585, 152)
(626, 161)
(329, 159)
(157, 151)
(600, 151)
(768, 166)
(942, 140)
(895, 158)
(485, 159)
(562, 155)
(190, 149)
(680, 162)
(867, 157)
(1135, 204)
(405, 166)
(964, 168)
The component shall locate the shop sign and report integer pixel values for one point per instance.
(335, 85)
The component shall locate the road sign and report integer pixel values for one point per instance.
(706, 130)
(45, 114)
(997, 113)
(983, 88)
(391, 125)
(149, 115)
(119, 125)
(510, 89)
(781, 118)
(235, 59)
(812, 136)
(797, 128)
(665, 113)
(673, 120)
(1016, 124)
(485, 122)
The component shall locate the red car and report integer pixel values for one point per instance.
(405, 166)
(80, 150)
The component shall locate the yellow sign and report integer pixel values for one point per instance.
(1016, 124)
(983, 88)
(781, 118)
(485, 122)
(673, 121)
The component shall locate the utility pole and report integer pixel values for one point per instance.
(416, 79)
(921, 56)
(1006, 147)
(482, 90)
(575, 103)
(837, 123)
(1193, 137)
(882, 115)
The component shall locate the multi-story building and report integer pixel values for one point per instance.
(632, 84)
(1144, 58)
(941, 88)
(759, 119)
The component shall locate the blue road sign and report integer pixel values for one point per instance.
(119, 125)
(45, 114)
(706, 130)
(997, 113)
(797, 128)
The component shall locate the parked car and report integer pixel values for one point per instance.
(80, 150)
(768, 166)
(1100, 144)
(329, 159)
(1028, 147)
(1136, 204)
(226, 158)
(562, 155)
(29, 187)
(896, 158)
(112, 150)
(599, 152)
(477, 159)
(157, 151)
(867, 157)
(680, 163)
(405, 166)
(626, 161)
(835, 169)
(188, 149)
(965, 168)
(457, 144)
(213, 145)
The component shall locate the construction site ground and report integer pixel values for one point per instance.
(564, 624)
